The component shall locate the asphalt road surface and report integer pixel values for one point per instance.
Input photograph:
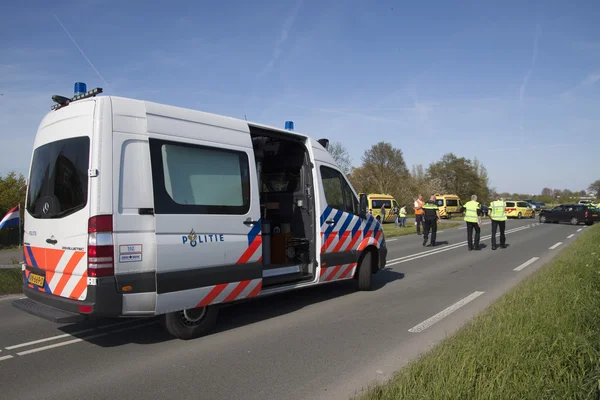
(317, 343)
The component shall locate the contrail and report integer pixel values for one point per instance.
(82, 53)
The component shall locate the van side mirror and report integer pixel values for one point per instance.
(362, 208)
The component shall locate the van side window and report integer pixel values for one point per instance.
(337, 191)
(192, 179)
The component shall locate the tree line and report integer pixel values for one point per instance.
(383, 170)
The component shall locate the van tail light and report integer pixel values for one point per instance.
(586, 214)
(100, 247)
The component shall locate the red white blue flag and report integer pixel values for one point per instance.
(11, 218)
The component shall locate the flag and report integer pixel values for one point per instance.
(11, 218)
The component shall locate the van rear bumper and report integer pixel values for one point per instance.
(103, 299)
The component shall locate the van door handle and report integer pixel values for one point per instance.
(330, 222)
(51, 241)
(250, 222)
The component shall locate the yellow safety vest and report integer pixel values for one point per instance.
(498, 210)
(471, 208)
(403, 212)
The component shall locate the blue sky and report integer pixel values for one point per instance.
(515, 84)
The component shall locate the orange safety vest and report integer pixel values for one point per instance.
(420, 203)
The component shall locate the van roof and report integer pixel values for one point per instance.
(204, 117)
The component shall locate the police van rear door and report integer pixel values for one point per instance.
(57, 203)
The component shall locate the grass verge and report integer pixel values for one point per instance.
(391, 230)
(10, 281)
(541, 340)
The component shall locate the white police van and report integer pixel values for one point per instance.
(138, 209)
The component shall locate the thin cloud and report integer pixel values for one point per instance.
(283, 36)
(591, 79)
(81, 51)
(536, 39)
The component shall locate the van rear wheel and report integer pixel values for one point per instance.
(192, 323)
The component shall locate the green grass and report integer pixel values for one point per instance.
(10, 281)
(541, 340)
(390, 230)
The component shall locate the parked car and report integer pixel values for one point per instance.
(572, 213)
(536, 205)
(518, 209)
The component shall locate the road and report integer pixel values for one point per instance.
(318, 343)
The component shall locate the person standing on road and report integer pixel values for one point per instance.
(419, 213)
(473, 219)
(498, 216)
(430, 220)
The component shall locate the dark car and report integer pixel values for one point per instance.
(572, 213)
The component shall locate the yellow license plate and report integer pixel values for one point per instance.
(37, 280)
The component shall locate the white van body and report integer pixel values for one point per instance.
(141, 209)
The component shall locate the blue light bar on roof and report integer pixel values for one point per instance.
(289, 125)
(80, 88)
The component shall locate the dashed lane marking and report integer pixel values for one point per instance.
(443, 314)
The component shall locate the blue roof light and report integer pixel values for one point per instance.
(80, 88)
(289, 125)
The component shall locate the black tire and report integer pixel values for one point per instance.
(520, 216)
(365, 272)
(589, 223)
(574, 221)
(191, 324)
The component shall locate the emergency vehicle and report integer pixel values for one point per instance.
(139, 209)
(518, 209)
(376, 200)
(449, 204)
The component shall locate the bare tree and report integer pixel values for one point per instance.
(341, 156)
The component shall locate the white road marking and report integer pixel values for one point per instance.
(443, 314)
(555, 246)
(391, 240)
(5, 358)
(443, 249)
(48, 339)
(68, 342)
(463, 227)
(526, 264)
(55, 345)
(570, 236)
(579, 230)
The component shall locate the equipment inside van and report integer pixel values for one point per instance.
(139, 209)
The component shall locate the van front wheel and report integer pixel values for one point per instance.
(192, 323)
(365, 272)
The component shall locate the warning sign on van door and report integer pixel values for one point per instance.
(130, 253)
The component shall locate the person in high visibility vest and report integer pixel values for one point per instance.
(498, 216)
(430, 221)
(403, 216)
(473, 220)
(419, 213)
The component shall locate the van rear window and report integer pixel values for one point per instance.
(58, 182)
(451, 202)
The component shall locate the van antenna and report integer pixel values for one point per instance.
(245, 117)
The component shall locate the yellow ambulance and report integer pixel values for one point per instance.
(376, 200)
(449, 204)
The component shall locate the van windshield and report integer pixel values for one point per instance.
(58, 182)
